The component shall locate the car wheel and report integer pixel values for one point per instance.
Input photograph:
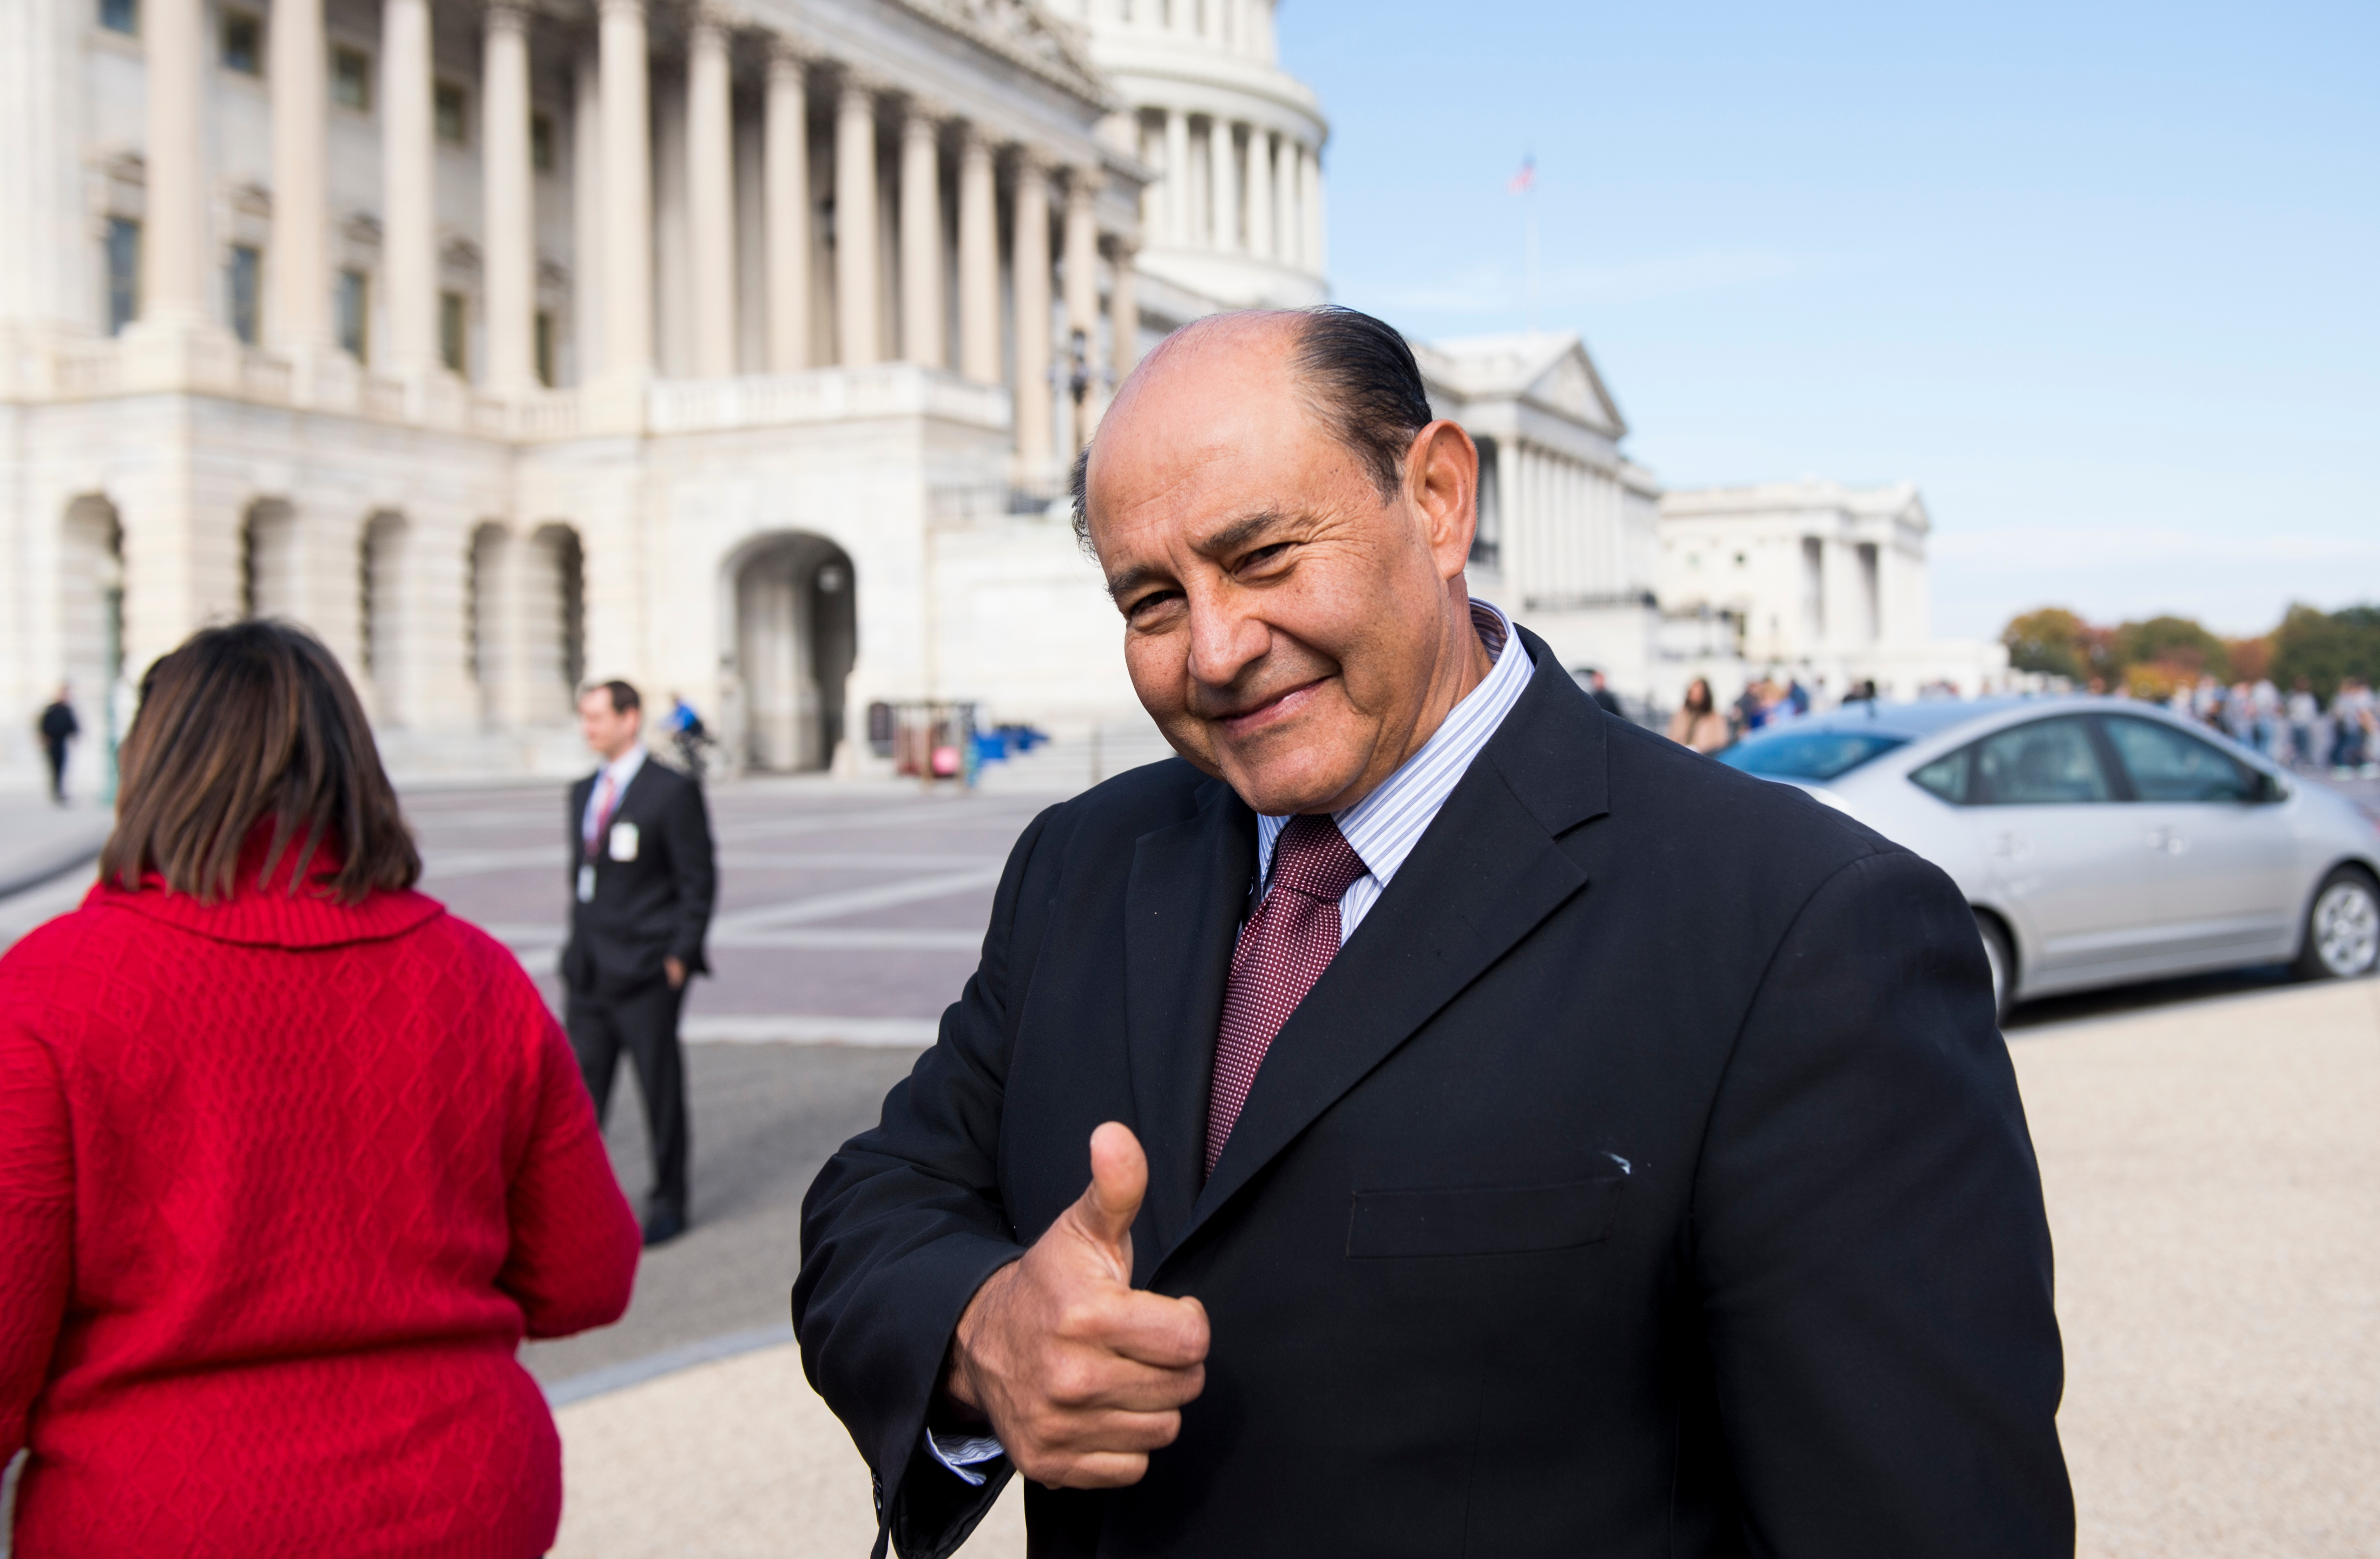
(2002, 959)
(2342, 930)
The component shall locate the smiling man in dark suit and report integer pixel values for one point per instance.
(642, 881)
(1431, 1116)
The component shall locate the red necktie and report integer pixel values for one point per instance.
(602, 816)
(1283, 950)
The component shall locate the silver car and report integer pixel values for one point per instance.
(2100, 840)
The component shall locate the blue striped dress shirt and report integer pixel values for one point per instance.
(1383, 828)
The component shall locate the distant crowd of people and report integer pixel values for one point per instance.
(1700, 724)
(2293, 728)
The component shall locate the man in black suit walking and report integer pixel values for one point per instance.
(1431, 1116)
(643, 880)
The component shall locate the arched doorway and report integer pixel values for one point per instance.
(381, 563)
(796, 635)
(91, 640)
(268, 561)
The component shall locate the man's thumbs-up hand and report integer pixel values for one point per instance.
(1081, 1374)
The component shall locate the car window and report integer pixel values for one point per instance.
(1810, 755)
(2041, 763)
(1947, 777)
(2169, 765)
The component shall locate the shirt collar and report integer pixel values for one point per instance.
(624, 768)
(1384, 826)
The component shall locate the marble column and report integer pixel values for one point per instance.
(1177, 179)
(1260, 192)
(508, 225)
(1124, 315)
(627, 193)
(922, 334)
(1509, 502)
(172, 239)
(1030, 263)
(1226, 156)
(710, 195)
(408, 215)
(1082, 256)
(785, 198)
(855, 226)
(978, 260)
(1309, 206)
(300, 269)
(587, 229)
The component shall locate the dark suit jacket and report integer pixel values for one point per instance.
(1645, 1177)
(655, 906)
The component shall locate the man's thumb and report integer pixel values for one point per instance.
(1119, 1179)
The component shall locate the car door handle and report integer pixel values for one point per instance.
(2008, 847)
(2168, 841)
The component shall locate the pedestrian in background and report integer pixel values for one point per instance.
(1698, 724)
(59, 726)
(642, 883)
(290, 1160)
(1600, 691)
(2303, 712)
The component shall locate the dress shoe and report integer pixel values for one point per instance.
(664, 1224)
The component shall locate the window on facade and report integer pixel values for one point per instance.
(122, 272)
(352, 303)
(121, 16)
(242, 280)
(1487, 539)
(545, 347)
(541, 142)
(452, 319)
(351, 79)
(243, 42)
(447, 111)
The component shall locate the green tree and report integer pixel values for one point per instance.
(2178, 644)
(2327, 647)
(2052, 641)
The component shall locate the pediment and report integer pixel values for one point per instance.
(1025, 33)
(1570, 386)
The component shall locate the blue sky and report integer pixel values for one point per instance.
(2104, 280)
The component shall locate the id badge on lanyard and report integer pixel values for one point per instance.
(587, 882)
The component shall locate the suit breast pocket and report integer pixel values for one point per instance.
(1483, 1220)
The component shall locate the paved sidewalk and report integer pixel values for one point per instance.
(2214, 1179)
(40, 839)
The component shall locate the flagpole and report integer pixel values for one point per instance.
(1530, 201)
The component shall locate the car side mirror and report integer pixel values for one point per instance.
(2268, 790)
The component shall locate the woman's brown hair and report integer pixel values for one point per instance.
(241, 724)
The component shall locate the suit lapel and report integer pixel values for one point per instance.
(1484, 875)
(1183, 906)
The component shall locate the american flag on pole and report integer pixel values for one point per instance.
(1525, 180)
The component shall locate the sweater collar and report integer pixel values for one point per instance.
(268, 914)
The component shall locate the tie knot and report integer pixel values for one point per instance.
(1314, 858)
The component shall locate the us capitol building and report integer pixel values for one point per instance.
(737, 350)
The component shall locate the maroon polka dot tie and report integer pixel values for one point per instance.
(1283, 950)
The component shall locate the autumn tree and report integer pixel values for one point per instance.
(2327, 647)
(2057, 642)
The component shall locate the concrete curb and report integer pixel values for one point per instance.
(668, 1362)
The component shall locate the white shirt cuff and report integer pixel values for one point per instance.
(963, 1452)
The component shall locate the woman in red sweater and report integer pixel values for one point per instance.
(290, 1160)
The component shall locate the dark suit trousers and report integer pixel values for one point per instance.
(644, 1022)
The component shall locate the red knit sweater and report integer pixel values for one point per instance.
(282, 1186)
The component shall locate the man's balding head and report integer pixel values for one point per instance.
(1285, 528)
